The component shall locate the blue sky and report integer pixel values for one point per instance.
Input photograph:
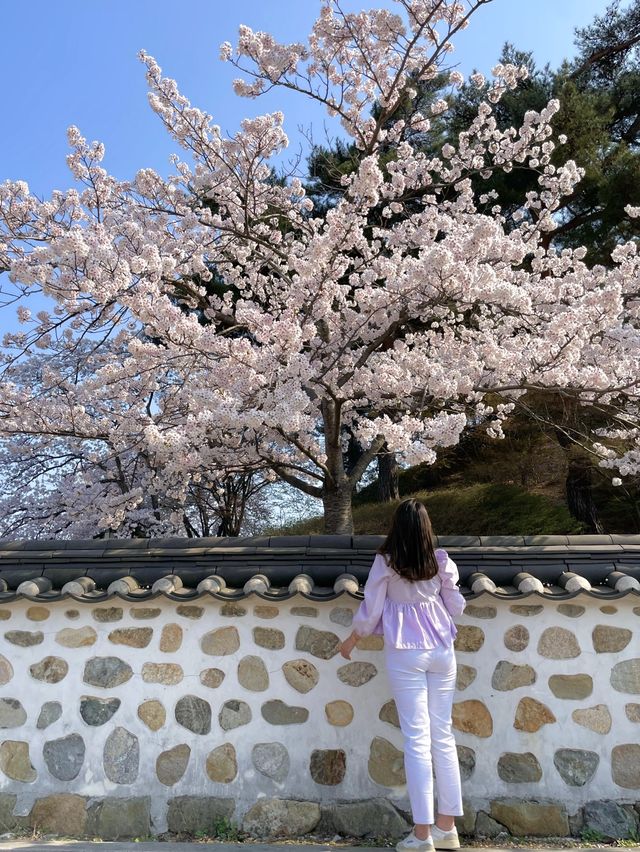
(74, 62)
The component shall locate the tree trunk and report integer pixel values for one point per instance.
(388, 484)
(579, 484)
(337, 490)
(338, 516)
(579, 488)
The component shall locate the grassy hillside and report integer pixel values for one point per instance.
(481, 509)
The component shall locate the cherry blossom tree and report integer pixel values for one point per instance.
(215, 323)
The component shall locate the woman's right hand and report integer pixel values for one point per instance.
(347, 646)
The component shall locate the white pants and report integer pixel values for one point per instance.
(423, 682)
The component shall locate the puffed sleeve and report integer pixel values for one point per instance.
(367, 618)
(450, 593)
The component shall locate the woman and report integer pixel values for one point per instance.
(411, 596)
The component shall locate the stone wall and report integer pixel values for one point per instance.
(126, 720)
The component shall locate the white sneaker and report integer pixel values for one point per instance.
(445, 839)
(411, 843)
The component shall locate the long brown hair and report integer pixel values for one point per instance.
(408, 546)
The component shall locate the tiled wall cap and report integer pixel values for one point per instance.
(574, 582)
(32, 588)
(526, 583)
(346, 583)
(257, 583)
(301, 583)
(79, 587)
(167, 584)
(481, 583)
(211, 584)
(123, 586)
(622, 582)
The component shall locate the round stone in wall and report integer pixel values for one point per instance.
(12, 713)
(222, 765)
(609, 640)
(596, 718)
(531, 715)
(172, 764)
(576, 766)
(212, 678)
(108, 613)
(357, 674)
(386, 763)
(121, 756)
(190, 611)
(50, 669)
(517, 768)
(233, 714)
(472, 717)
(470, 638)
(571, 610)
(574, 687)
(97, 711)
(276, 712)
(50, 712)
(153, 714)
(304, 611)
(264, 611)
(220, 642)
(528, 610)
(5, 614)
(72, 613)
(6, 670)
(144, 612)
(106, 672)
(558, 643)
(167, 673)
(171, 638)
(341, 615)
(79, 637)
(319, 643)
(252, 674)
(370, 643)
(271, 759)
(232, 610)
(24, 638)
(625, 676)
(38, 613)
(328, 766)
(194, 714)
(64, 757)
(268, 637)
(625, 766)
(516, 638)
(465, 676)
(507, 676)
(301, 675)
(389, 713)
(466, 761)
(134, 637)
(476, 611)
(339, 713)
(607, 609)
(632, 712)
(15, 761)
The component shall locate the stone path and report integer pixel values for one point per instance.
(82, 845)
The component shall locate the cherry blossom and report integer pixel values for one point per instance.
(212, 323)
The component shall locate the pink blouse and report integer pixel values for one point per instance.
(410, 614)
